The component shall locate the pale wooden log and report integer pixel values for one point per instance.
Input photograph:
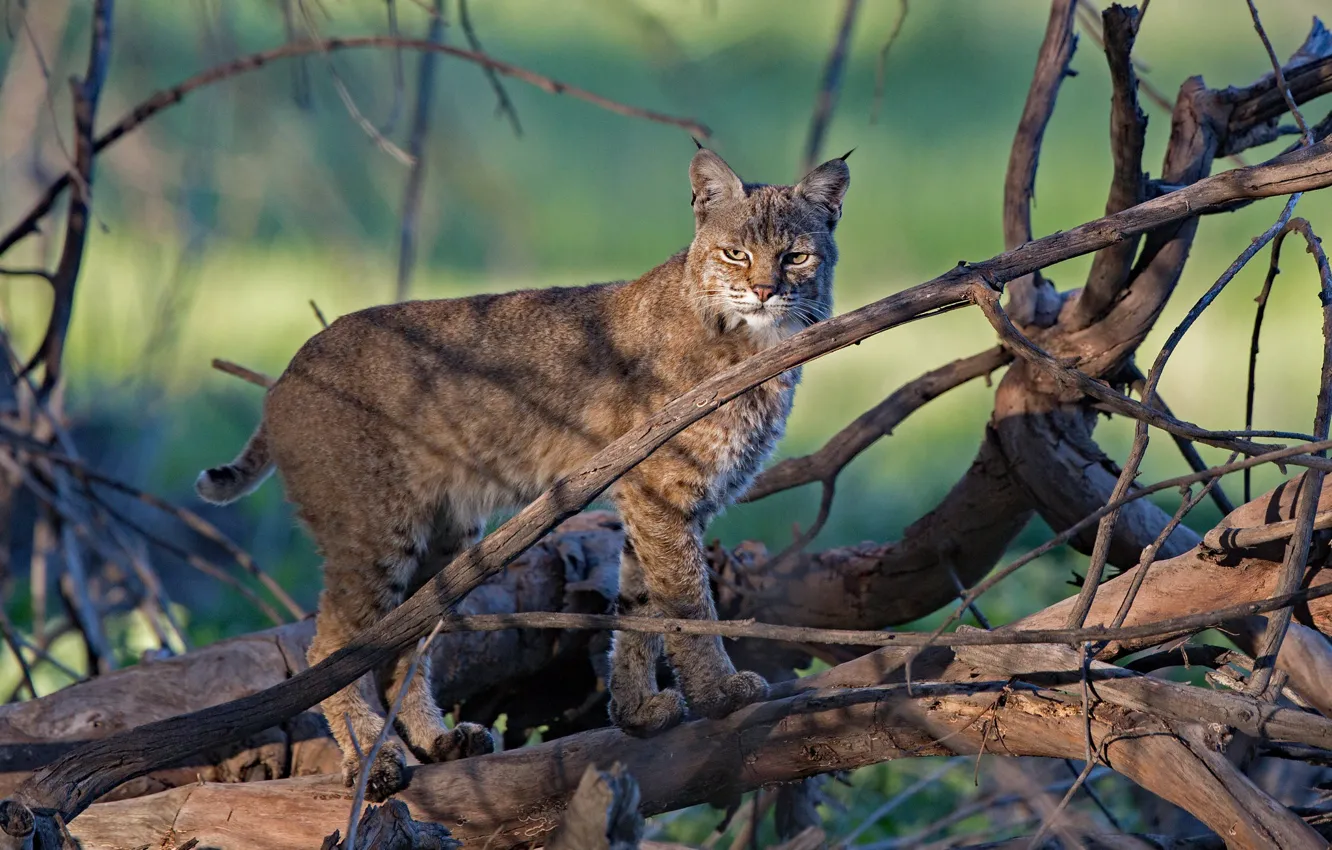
(514, 798)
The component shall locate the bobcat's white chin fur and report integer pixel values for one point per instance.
(768, 327)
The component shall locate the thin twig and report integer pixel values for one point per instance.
(881, 68)
(87, 93)
(42, 273)
(879, 421)
(169, 97)
(368, 759)
(893, 802)
(411, 196)
(826, 100)
(1069, 533)
(11, 638)
(736, 629)
(503, 105)
(1145, 561)
(1273, 269)
(1280, 76)
(399, 75)
(1185, 446)
(344, 94)
(1106, 529)
(1311, 485)
(188, 518)
(257, 378)
(1089, 751)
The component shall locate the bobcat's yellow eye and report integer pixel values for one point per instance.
(735, 255)
(796, 259)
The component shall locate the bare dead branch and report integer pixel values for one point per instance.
(1308, 74)
(1297, 548)
(1106, 527)
(257, 378)
(70, 784)
(87, 93)
(169, 97)
(848, 637)
(1128, 185)
(503, 105)
(1032, 298)
(826, 100)
(1237, 539)
(411, 196)
(879, 421)
(881, 67)
(1280, 76)
(1064, 536)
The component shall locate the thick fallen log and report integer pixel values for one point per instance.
(516, 798)
(569, 572)
(575, 570)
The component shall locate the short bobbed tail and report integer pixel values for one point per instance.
(223, 485)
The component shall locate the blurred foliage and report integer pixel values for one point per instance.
(218, 221)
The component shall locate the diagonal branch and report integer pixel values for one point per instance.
(879, 421)
(70, 784)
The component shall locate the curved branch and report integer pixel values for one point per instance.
(1032, 298)
(1128, 185)
(71, 783)
(879, 421)
(171, 96)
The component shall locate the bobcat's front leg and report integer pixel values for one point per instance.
(666, 541)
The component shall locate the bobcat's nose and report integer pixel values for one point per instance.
(764, 291)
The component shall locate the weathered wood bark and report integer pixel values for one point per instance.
(575, 570)
(515, 798)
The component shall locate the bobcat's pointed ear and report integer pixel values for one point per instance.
(826, 186)
(713, 181)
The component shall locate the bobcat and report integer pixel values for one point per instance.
(400, 429)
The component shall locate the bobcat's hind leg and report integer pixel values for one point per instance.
(354, 723)
(419, 720)
(637, 706)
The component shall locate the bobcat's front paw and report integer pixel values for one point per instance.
(462, 741)
(655, 714)
(733, 692)
(387, 774)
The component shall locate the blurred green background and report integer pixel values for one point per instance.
(219, 220)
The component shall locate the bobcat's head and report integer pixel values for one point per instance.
(762, 255)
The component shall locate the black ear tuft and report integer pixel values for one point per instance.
(845, 155)
(697, 143)
(826, 186)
